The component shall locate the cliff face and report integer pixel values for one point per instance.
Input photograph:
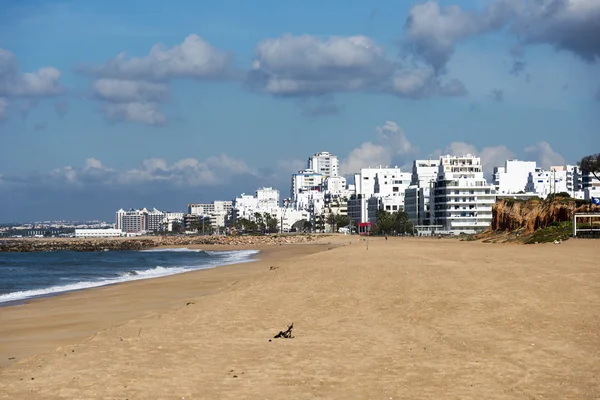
(510, 215)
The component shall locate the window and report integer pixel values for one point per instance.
(395, 208)
(395, 189)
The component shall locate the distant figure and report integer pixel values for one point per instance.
(385, 237)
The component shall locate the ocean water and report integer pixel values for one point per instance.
(29, 275)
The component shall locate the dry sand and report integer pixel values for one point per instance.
(407, 318)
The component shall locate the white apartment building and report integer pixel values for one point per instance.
(264, 200)
(424, 172)
(98, 233)
(306, 180)
(462, 200)
(543, 183)
(390, 204)
(377, 182)
(512, 178)
(169, 219)
(312, 201)
(324, 163)
(154, 219)
(201, 209)
(590, 186)
(132, 221)
(219, 211)
(336, 186)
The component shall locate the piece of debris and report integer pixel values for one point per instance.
(189, 302)
(285, 335)
(273, 268)
(11, 358)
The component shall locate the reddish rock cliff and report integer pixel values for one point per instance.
(511, 215)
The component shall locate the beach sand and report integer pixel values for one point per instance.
(407, 318)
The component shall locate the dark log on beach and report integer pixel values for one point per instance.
(287, 334)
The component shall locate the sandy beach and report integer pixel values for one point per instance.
(405, 319)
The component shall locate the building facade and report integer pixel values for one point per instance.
(512, 178)
(462, 198)
(98, 233)
(324, 163)
(304, 181)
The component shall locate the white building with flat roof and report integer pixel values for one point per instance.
(462, 200)
(304, 181)
(336, 186)
(512, 178)
(132, 221)
(324, 163)
(98, 233)
(377, 182)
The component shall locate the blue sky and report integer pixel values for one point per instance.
(128, 104)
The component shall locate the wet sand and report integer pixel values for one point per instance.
(407, 318)
(38, 325)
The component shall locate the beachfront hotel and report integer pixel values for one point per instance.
(462, 198)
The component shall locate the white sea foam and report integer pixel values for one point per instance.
(232, 257)
(172, 249)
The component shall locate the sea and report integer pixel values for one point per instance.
(40, 274)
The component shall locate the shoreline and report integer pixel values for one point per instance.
(100, 284)
(73, 320)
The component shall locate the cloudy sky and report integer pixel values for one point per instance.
(151, 103)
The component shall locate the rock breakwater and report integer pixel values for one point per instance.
(144, 243)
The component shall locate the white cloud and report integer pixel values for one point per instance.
(391, 147)
(43, 82)
(143, 113)
(186, 173)
(193, 58)
(297, 65)
(432, 31)
(544, 155)
(132, 88)
(117, 90)
(310, 66)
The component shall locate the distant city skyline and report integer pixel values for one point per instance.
(103, 107)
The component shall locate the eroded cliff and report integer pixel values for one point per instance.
(529, 216)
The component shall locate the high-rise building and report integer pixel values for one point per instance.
(462, 198)
(137, 221)
(132, 221)
(324, 163)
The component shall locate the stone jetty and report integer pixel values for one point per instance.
(143, 243)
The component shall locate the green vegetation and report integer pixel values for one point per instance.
(261, 223)
(554, 231)
(388, 223)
